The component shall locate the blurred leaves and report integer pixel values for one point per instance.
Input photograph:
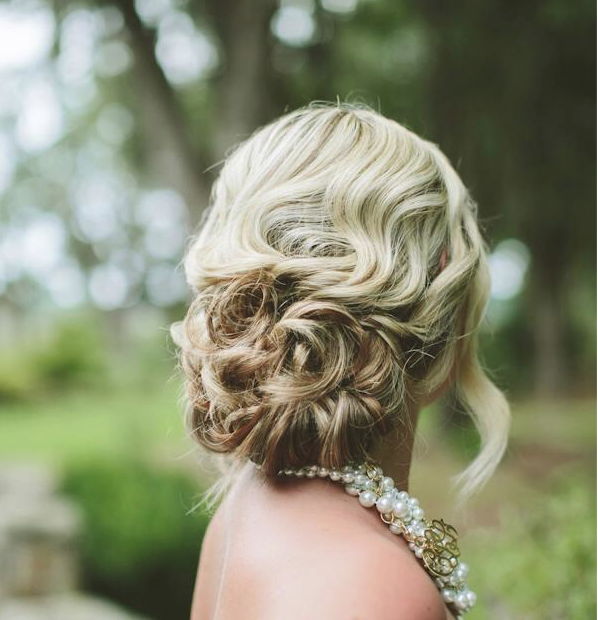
(541, 563)
(148, 96)
(139, 546)
(71, 355)
(74, 355)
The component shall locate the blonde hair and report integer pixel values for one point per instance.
(320, 309)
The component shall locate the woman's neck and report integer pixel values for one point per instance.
(394, 451)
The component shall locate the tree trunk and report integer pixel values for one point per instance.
(547, 325)
(171, 155)
(243, 88)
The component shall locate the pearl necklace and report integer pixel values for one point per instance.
(433, 542)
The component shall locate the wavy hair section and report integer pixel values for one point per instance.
(320, 311)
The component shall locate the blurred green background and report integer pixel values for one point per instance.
(114, 116)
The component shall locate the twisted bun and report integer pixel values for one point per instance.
(286, 381)
(320, 310)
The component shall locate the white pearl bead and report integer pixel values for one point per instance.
(351, 490)
(400, 508)
(417, 514)
(419, 552)
(348, 477)
(360, 480)
(375, 472)
(323, 472)
(367, 498)
(370, 485)
(462, 570)
(471, 597)
(403, 496)
(299, 473)
(395, 529)
(448, 594)
(387, 483)
(335, 475)
(310, 474)
(461, 600)
(384, 504)
(414, 502)
(454, 579)
(288, 472)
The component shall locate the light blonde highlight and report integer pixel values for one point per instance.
(320, 310)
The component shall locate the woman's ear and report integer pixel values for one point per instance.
(443, 260)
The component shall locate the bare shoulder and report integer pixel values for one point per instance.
(373, 581)
(387, 583)
(308, 553)
(209, 568)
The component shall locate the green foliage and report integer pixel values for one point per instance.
(17, 377)
(510, 341)
(140, 546)
(542, 562)
(74, 355)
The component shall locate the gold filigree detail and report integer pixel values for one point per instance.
(372, 471)
(440, 548)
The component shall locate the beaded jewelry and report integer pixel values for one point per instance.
(433, 542)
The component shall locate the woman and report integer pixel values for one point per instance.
(340, 278)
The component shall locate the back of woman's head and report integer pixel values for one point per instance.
(340, 278)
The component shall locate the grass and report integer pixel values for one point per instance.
(565, 425)
(143, 420)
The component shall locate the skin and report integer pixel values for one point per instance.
(297, 549)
